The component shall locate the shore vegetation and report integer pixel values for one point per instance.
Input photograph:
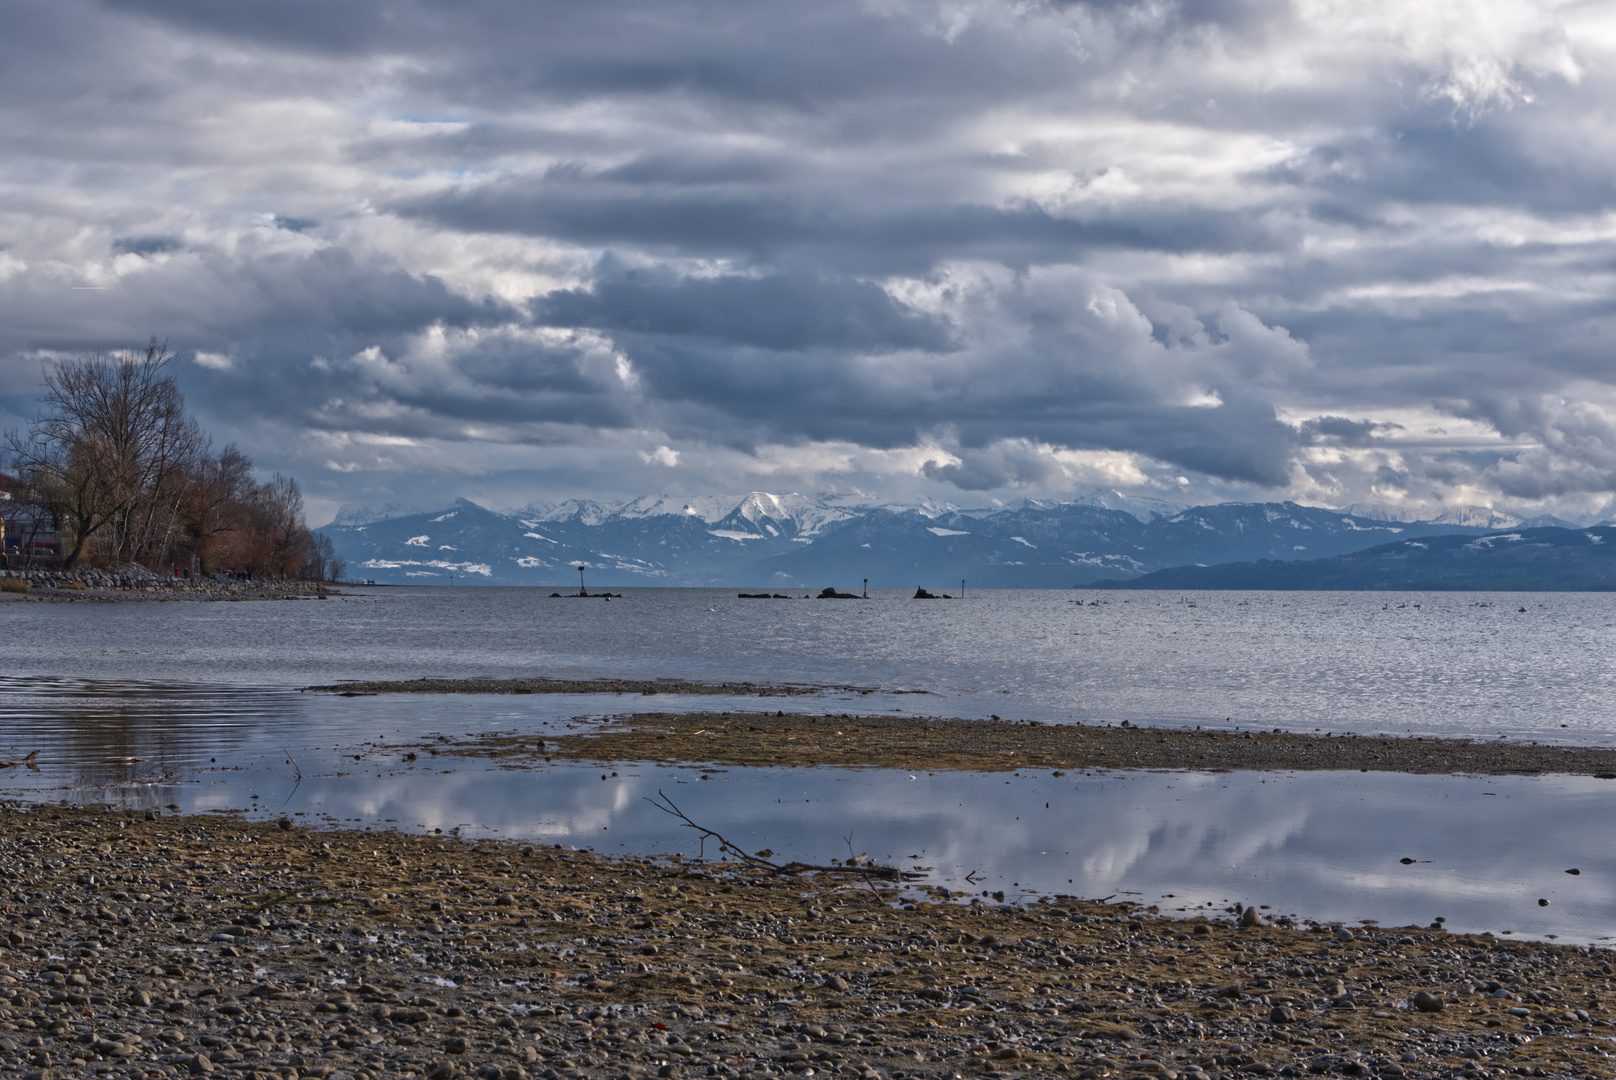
(117, 471)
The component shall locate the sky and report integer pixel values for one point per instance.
(1338, 252)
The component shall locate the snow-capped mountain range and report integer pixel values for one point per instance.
(766, 541)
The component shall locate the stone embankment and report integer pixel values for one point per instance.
(137, 944)
(138, 583)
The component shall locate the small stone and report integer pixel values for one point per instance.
(1542, 903)
(455, 1045)
(1250, 917)
(1573, 871)
(1343, 934)
(505, 900)
(284, 824)
(1279, 1014)
(1425, 1001)
(835, 982)
(443, 1070)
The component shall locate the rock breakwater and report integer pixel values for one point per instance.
(138, 583)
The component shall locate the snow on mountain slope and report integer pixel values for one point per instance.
(760, 539)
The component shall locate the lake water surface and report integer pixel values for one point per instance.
(206, 695)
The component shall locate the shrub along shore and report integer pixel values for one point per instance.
(141, 944)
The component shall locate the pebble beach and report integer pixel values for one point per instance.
(149, 944)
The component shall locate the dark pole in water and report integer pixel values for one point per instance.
(581, 591)
(962, 588)
(866, 588)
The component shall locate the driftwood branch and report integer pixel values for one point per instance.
(853, 861)
(31, 761)
(886, 873)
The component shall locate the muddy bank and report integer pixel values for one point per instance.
(214, 945)
(992, 745)
(577, 686)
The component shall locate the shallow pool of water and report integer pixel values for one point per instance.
(1318, 845)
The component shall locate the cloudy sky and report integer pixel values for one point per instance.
(1334, 251)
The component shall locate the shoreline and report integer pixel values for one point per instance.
(575, 686)
(798, 740)
(156, 945)
(111, 587)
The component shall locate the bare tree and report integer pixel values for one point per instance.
(324, 563)
(214, 510)
(287, 540)
(111, 449)
(125, 475)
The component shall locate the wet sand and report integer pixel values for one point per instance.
(213, 945)
(772, 739)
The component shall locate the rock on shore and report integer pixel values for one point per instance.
(156, 946)
(137, 583)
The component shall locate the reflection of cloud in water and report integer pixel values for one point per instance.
(555, 805)
(1320, 844)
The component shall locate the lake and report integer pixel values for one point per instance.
(207, 696)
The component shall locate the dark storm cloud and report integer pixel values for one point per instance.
(1340, 430)
(857, 235)
(1273, 246)
(1496, 162)
(145, 245)
(776, 312)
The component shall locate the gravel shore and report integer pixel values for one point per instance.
(889, 742)
(149, 945)
(96, 588)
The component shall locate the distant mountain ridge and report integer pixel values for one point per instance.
(801, 541)
(1482, 517)
(1546, 558)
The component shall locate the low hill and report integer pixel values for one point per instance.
(1525, 560)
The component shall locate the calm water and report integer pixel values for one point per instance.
(1465, 663)
(206, 695)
